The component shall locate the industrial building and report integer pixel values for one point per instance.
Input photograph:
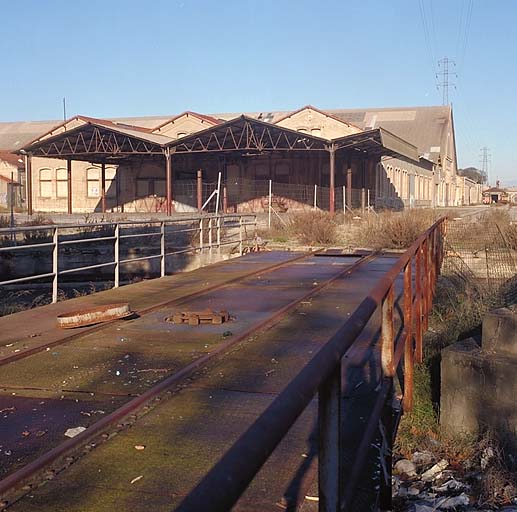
(396, 157)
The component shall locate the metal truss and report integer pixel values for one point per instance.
(95, 141)
(246, 134)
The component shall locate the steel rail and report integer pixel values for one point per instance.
(149, 309)
(20, 476)
(223, 485)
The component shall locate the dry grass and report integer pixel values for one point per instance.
(311, 227)
(395, 230)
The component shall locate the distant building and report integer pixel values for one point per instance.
(414, 164)
(12, 177)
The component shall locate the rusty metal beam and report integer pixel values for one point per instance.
(69, 185)
(332, 170)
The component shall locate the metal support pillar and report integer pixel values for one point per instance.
(349, 183)
(332, 170)
(225, 199)
(168, 169)
(28, 183)
(329, 446)
(199, 189)
(103, 187)
(69, 184)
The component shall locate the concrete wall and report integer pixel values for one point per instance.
(316, 123)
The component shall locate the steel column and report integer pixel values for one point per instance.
(103, 187)
(329, 445)
(349, 183)
(168, 171)
(28, 183)
(69, 184)
(55, 263)
(199, 189)
(332, 170)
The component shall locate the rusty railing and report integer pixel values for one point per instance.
(223, 485)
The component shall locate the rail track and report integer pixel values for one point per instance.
(127, 403)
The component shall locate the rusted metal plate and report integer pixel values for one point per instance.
(95, 315)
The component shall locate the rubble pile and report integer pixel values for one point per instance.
(425, 484)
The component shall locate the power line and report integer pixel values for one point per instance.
(445, 73)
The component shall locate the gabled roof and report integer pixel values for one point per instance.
(247, 134)
(209, 119)
(322, 112)
(86, 138)
(11, 158)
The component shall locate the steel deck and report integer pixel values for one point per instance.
(184, 435)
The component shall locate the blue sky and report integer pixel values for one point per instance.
(127, 58)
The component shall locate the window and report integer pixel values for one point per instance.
(45, 183)
(111, 182)
(93, 181)
(303, 130)
(181, 134)
(316, 132)
(62, 182)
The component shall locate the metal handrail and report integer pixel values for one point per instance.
(223, 485)
(205, 225)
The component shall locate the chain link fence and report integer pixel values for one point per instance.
(479, 271)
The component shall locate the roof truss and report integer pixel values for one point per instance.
(247, 134)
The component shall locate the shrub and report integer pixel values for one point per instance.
(395, 230)
(312, 227)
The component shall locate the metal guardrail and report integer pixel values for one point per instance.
(209, 230)
(223, 485)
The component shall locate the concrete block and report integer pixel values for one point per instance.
(478, 391)
(499, 332)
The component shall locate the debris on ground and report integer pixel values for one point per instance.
(72, 432)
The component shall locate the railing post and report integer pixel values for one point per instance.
(55, 263)
(210, 235)
(255, 232)
(117, 255)
(201, 235)
(241, 238)
(162, 249)
(329, 443)
(425, 291)
(387, 424)
(218, 226)
(408, 346)
(418, 303)
(387, 335)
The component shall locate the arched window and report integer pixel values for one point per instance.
(61, 182)
(316, 132)
(303, 130)
(45, 182)
(93, 181)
